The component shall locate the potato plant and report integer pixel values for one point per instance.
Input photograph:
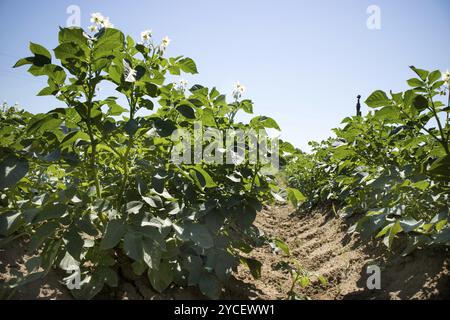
(392, 165)
(93, 185)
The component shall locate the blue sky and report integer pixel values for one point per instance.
(303, 62)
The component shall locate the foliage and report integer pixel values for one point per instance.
(93, 184)
(392, 165)
(299, 275)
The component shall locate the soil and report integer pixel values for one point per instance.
(318, 241)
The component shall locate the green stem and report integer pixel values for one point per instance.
(254, 176)
(444, 139)
(294, 281)
(126, 155)
(426, 130)
(448, 112)
(125, 168)
(93, 162)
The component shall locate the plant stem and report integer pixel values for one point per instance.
(426, 130)
(93, 164)
(125, 168)
(127, 153)
(448, 112)
(443, 140)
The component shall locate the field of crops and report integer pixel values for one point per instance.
(93, 197)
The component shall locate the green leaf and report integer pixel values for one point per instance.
(304, 281)
(201, 177)
(152, 254)
(39, 50)
(247, 216)
(24, 61)
(434, 76)
(133, 246)
(138, 267)
(390, 113)
(247, 106)
(322, 280)
(194, 266)
(74, 136)
(115, 73)
(423, 74)
(390, 236)
(377, 99)
(113, 234)
(421, 185)
(51, 211)
(108, 276)
(47, 91)
(74, 242)
(133, 207)
(264, 122)
(186, 111)
(225, 262)
(131, 127)
(44, 123)
(414, 82)
(199, 234)
(147, 104)
(110, 39)
(153, 201)
(69, 50)
(295, 197)
(74, 35)
(443, 237)
(42, 234)
(12, 170)
(409, 224)
(164, 127)
(384, 230)
(441, 166)
(188, 65)
(50, 253)
(114, 108)
(210, 286)
(158, 183)
(174, 70)
(161, 278)
(87, 226)
(282, 246)
(92, 285)
(254, 266)
(8, 222)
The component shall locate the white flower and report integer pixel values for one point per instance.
(446, 77)
(180, 85)
(146, 35)
(165, 43)
(93, 28)
(97, 18)
(238, 90)
(107, 24)
(239, 87)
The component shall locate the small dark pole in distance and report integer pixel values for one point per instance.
(358, 106)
